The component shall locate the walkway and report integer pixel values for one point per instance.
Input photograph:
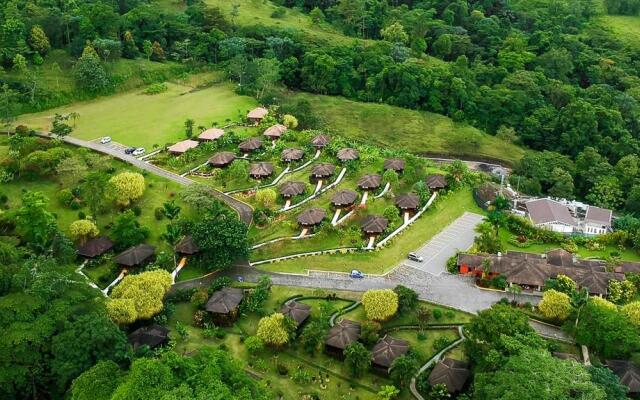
(459, 235)
(244, 210)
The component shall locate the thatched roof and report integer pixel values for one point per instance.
(344, 197)
(395, 164)
(95, 247)
(407, 201)
(370, 181)
(289, 155)
(187, 246)
(135, 255)
(222, 159)
(211, 134)
(320, 141)
(292, 188)
(388, 349)
(436, 181)
(297, 311)
(250, 145)
(560, 257)
(323, 170)
(258, 113)
(261, 170)
(628, 372)
(182, 147)
(152, 336)
(224, 300)
(374, 224)
(348, 154)
(343, 334)
(452, 373)
(312, 216)
(275, 131)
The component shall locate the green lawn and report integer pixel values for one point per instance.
(449, 316)
(444, 211)
(418, 131)
(625, 255)
(426, 348)
(135, 119)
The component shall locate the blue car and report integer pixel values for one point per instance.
(356, 274)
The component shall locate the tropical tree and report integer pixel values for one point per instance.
(632, 311)
(128, 187)
(407, 298)
(388, 392)
(402, 370)
(312, 337)
(83, 229)
(170, 210)
(606, 331)
(274, 330)
(621, 292)
(380, 304)
(96, 191)
(555, 305)
(609, 382)
(357, 358)
(146, 290)
(221, 240)
(266, 197)
(127, 231)
(60, 126)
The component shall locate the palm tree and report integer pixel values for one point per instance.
(515, 290)
(578, 299)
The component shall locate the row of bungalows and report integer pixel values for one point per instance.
(531, 271)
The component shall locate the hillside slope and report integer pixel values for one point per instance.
(417, 131)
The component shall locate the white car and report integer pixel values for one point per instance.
(139, 151)
(105, 140)
(415, 257)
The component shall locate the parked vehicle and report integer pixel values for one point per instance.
(356, 274)
(139, 151)
(129, 150)
(414, 257)
(105, 140)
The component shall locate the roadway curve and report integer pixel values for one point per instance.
(244, 210)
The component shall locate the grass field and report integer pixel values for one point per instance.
(135, 119)
(396, 127)
(625, 27)
(444, 211)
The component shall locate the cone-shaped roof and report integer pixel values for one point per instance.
(312, 216)
(370, 181)
(344, 198)
(374, 224)
(222, 159)
(250, 144)
(348, 154)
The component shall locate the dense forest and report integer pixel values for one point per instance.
(539, 73)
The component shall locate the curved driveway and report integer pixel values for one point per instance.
(244, 210)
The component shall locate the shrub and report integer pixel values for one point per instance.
(421, 336)
(65, 197)
(156, 88)
(159, 213)
(128, 186)
(200, 318)
(254, 344)
(219, 283)
(145, 290)
(407, 298)
(199, 297)
(83, 229)
(137, 211)
(555, 305)
(380, 304)
(632, 312)
(273, 330)
(437, 313)
(440, 343)
(370, 332)
(302, 376)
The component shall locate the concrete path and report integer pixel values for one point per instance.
(244, 210)
(459, 235)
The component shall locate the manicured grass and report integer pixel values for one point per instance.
(449, 316)
(136, 119)
(625, 255)
(426, 348)
(444, 211)
(418, 131)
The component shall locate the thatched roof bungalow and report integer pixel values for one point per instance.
(394, 164)
(95, 247)
(261, 170)
(153, 336)
(374, 224)
(320, 141)
(311, 217)
(408, 202)
(342, 334)
(322, 171)
(344, 198)
(182, 147)
(451, 373)
(297, 311)
(370, 182)
(135, 255)
(348, 154)
(257, 114)
(222, 159)
(187, 246)
(289, 155)
(387, 350)
(211, 134)
(436, 181)
(275, 132)
(250, 145)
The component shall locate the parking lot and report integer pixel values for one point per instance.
(459, 235)
(111, 145)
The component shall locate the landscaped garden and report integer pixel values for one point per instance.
(300, 364)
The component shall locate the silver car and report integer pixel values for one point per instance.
(139, 151)
(105, 140)
(414, 257)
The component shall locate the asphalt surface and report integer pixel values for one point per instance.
(458, 236)
(116, 150)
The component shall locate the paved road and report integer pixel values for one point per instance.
(459, 235)
(244, 210)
